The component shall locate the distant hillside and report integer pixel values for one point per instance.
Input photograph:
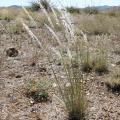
(14, 6)
(103, 7)
(106, 7)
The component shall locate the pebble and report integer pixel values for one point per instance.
(113, 65)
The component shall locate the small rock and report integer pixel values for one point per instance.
(42, 69)
(54, 85)
(113, 65)
(88, 94)
(12, 52)
(33, 64)
(118, 63)
(31, 101)
(18, 76)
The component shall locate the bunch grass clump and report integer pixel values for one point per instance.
(117, 50)
(98, 64)
(113, 12)
(101, 60)
(101, 65)
(95, 59)
(1, 63)
(113, 82)
(87, 63)
(95, 25)
(75, 102)
(16, 28)
(73, 93)
(7, 15)
(71, 88)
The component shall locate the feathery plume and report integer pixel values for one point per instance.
(54, 34)
(32, 34)
(46, 13)
(30, 17)
(55, 16)
(56, 52)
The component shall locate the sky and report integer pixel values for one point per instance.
(76, 3)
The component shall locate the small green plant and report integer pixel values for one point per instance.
(113, 82)
(37, 91)
(73, 10)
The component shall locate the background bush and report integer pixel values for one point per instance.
(91, 10)
(73, 10)
(35, 5)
